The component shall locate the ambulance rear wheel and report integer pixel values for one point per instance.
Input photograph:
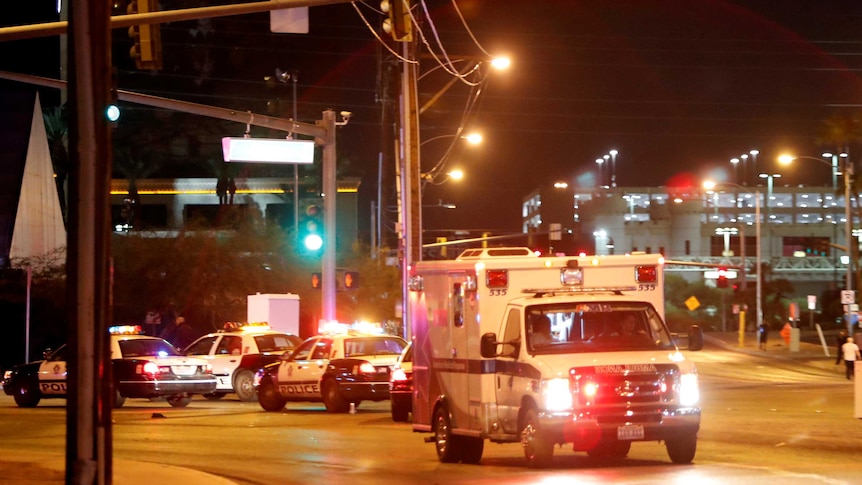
(270, 399)
(471, 449)
(447, 445)
(27, 395)
(682, 449)
(538, 447)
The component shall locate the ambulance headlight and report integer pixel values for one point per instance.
(689, 393)
(558, 396)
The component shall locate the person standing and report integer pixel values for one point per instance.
(851, 354)
(763, 332)
(180, 334)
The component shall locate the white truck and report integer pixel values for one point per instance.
(511, 347)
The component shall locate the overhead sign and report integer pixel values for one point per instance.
(267, 150)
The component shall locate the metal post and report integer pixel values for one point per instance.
(329, 195)
(848, 233)
(759, 281)
(295, 170)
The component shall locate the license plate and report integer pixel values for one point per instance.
(630, 432)
(184, 370)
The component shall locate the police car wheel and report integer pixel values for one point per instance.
(269, 398)
(214, 396)
(27, 395)
(243, 386)
(400, 412)
(332, 398)
(180, 401)
(119, 400)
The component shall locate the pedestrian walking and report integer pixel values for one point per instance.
(763, 333)
(851, 354)
(842, 337)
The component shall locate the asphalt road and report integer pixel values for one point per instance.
(766, 420)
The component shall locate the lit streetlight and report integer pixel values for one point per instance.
(709, 185)
(599, 162)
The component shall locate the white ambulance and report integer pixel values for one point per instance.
(511, 347)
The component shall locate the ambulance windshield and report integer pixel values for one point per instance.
(595, 326)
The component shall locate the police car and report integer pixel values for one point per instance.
(401, 386)
(237, 352)
(336, 369)
(143, 367)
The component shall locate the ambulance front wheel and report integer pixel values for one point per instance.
(538, 447)
(682, 449)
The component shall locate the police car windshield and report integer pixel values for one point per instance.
(276, 342)
(373, 346)
(595, 326)
(149, 347)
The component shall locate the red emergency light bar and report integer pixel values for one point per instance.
(497, 278)
(646, 274)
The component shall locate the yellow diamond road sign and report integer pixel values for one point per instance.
(692, 303)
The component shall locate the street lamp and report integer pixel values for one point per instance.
(769, 183)
(613, 167)
(848, 221)
(432, 174)
(709, 185)
(735, 162)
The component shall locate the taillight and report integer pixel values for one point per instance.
(208, 368)
(151, 368)
(399, 375)
(367, 368)
(497, 278)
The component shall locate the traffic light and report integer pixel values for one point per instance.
(315, 281)
(350, 280)
(147, 38)
(112, 110)
(311, 228)
(399, 24)
(721, 282)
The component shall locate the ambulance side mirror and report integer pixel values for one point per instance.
(488, 345)
(695, 338)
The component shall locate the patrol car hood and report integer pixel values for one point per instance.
(558, 365)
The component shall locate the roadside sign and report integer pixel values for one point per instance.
(812, 302)
(848, 297)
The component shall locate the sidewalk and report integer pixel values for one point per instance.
(27, 468)
(811, 354)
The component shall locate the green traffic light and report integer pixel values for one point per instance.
(313, 242)
(112, 113)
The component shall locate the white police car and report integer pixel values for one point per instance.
(142, 367)
(337, 369)
(237, 352)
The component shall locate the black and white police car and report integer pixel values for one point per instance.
(143, 367)
(337, 369)
(237, 352)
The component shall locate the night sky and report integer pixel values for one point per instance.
(677, 87)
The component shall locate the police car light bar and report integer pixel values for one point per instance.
(267, 150)
(125, 330)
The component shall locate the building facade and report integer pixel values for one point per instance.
(802, 229)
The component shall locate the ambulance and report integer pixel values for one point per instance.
(510, 347)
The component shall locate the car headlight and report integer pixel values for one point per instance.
(689, 392)
(8, 375)
(558, 396)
